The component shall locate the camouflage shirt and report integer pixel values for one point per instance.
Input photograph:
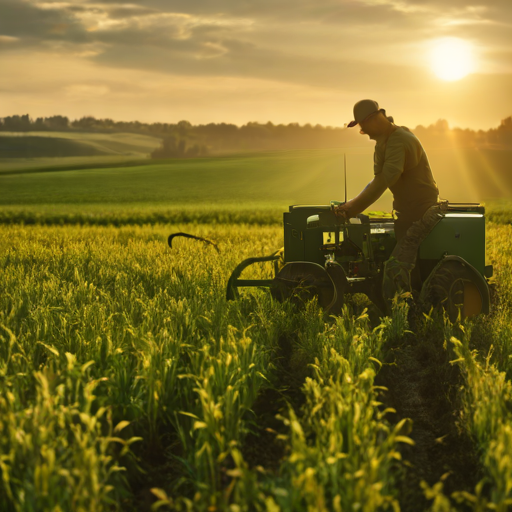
(401, 153)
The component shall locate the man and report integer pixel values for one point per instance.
(400, 164)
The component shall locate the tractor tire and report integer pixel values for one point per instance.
(454, 286)
(300, 282)
(339, 278)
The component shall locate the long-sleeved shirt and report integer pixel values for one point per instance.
(401, 153)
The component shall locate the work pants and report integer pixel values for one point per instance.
(400, 266)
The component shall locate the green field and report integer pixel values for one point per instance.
(181, 190)
(197, 189)
(275, 176)
(129, 383)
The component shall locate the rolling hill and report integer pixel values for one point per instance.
(42, 149)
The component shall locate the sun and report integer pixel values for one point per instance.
(452, 58)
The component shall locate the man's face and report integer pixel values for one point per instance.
(371, 125)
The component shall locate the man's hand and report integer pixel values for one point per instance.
(367, 197)
(346, 210)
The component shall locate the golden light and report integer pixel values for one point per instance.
(452, 58)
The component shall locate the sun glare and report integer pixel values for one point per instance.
(452, 59)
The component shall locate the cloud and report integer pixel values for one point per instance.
(8, 39)
(32, 24)
(222, 28)
(239, 59)
(326, 46)
(129, 11)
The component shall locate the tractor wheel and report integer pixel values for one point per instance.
(453, 286)
(302, 281)
(339, 278)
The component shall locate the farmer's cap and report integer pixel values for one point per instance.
(364, 109)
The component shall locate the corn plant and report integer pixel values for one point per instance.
(342, 448)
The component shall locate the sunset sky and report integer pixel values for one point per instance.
(305, 61)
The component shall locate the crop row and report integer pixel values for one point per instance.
(127, 379)
(113, 348)
(140, 214)
(99, 214)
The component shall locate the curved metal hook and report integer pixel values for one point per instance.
(187, 235)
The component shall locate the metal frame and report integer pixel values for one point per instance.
(234, 282)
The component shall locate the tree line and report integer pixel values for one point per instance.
(183, 139)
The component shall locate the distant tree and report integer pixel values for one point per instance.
(107, 124)
(18, 123)
(181, 147)
(168, 149)
(196, 150)
(169, 145)
(504, 132)
(441, 125)
(171, 149)
(506, 124)
(193, 151)
(183, 128)
(84, 123)
(182, 139)
(57, 123)
(39, 124)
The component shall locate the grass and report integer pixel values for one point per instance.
(111, 150)
(342, 449)
(482, 350)
(241, 188)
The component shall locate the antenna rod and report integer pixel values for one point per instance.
(345, 168)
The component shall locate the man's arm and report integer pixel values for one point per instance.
(387, 177)
(367, 197)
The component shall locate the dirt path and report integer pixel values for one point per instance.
(262, 447)
(423, 386)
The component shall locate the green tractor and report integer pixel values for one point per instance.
(327, 257)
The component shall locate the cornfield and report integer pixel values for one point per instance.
(128, 382)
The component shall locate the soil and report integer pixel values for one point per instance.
(157, 467)
(423, 386)
(261, 446)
